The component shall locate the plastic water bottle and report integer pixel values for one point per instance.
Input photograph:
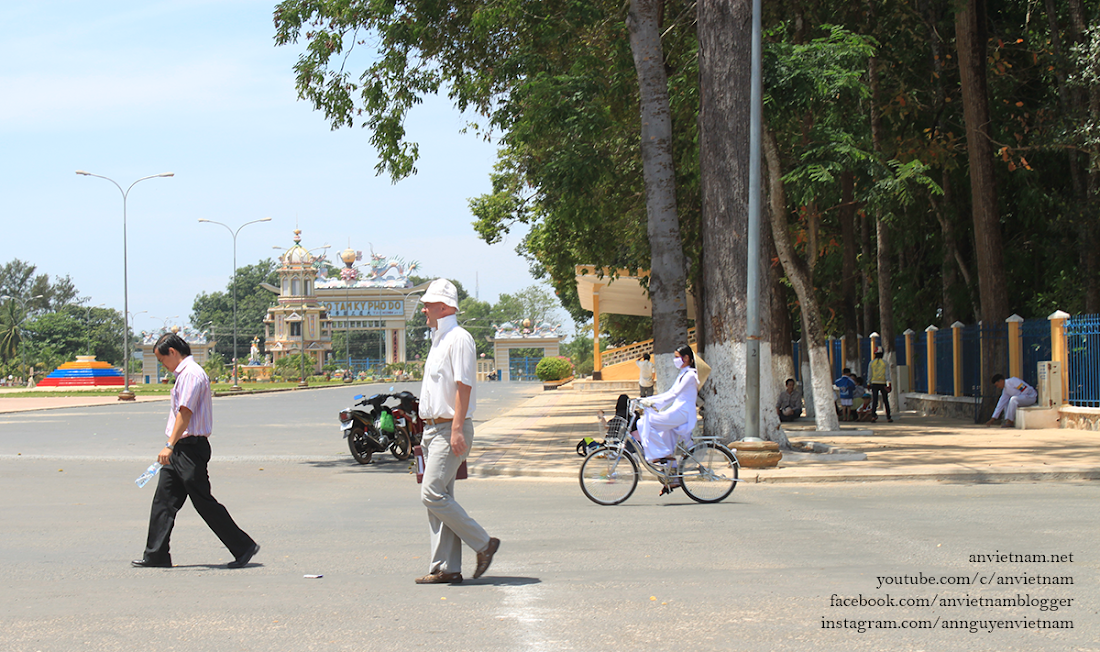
(148, 475)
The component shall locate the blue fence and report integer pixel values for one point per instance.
(1083, 360)
(1082, 370)
(522, 369)
(1035, 340)
(920, 365)
(972, 360)
(945, 361)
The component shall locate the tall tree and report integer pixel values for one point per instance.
(214, 311)
(970, 34)
(667, 277)
(725, 48)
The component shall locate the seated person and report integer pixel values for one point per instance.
(789, 404)
(858, 393)
(1015, 393)
(677, 416)
(862, 402)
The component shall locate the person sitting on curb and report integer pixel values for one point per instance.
(789, 404)
(1015, 393)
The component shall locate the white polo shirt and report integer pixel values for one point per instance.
(452, 359)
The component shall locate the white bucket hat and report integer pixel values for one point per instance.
(441, 291)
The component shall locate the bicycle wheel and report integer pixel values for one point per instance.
(608, 476)
(708, 473)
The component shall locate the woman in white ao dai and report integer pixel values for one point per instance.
(676, 416)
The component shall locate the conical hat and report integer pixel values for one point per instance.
(703, 369)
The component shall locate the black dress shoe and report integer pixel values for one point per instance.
(241, 561)
(146, 563)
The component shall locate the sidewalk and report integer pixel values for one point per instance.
(538, 439)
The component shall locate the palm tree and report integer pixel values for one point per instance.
(10, 335)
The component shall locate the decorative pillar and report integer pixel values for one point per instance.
(597, 361)
(930, 338)
(1015, 347)
(957, 355)
(1058, 348)
(909, 332)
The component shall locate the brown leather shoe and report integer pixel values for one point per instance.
(440, 578)
(485, 557)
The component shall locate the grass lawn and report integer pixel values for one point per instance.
(164, 390)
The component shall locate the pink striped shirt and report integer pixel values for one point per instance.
(192, 390)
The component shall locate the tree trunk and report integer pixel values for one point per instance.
(848, 271)
(865, 250)
(667, 273)
(724, 74)
(798, 273)
(970, 36)
(882, 231)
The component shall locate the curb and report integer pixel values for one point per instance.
(1067, 474)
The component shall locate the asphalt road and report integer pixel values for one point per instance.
(756, 572)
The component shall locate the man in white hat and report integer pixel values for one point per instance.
(447, 401)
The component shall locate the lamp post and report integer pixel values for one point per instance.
(125, 394)
(88, 321)
(23, 304)
(234, 234)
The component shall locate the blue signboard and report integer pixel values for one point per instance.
(367, 308)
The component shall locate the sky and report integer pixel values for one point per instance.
(197, 88)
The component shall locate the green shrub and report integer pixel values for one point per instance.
(555, 368)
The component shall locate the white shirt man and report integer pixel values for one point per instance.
(645, 376)
(1015, 393)
(447, 401)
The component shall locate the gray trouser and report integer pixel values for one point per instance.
(448, 523)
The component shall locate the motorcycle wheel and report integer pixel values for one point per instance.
(357, 443)
(402, 444)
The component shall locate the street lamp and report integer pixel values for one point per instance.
(234, 234)
(88, 321)
(125, 394)
(23, 304)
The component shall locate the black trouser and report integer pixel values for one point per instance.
(187, 477)
(876, 389)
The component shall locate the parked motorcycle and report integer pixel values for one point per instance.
(378, 427)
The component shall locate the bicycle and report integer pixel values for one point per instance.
(707, 470)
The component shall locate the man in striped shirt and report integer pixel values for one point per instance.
(185, 457)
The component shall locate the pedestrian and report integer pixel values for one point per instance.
(646, 375)
(185, 457)
(845, 387)
(880, 385)
(1015, 393)
(789, 404)
(447, 402)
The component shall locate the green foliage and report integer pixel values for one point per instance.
(214, 311)
(554, 368)
(215, 367)
(290, 366)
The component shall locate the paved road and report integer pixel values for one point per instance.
(262, 426)
(753, 573)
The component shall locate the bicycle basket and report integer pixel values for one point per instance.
(616, 428)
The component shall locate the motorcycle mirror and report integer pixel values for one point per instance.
(357, 397)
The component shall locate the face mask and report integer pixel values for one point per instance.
(678, 362)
